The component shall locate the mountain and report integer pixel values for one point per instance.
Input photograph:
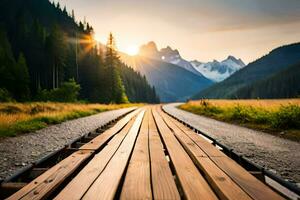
(215, 71)
(283, 84)
(172, 83)
(166, 55)
(262, 69)
(218, 71)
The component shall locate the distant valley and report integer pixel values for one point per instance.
(175, 78)
(172, 83)
(275, 75)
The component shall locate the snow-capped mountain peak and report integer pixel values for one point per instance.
(215, 70)
(168, 55)
(233, 59)
(218, 71)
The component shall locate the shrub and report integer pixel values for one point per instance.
(209, 109)
(5, 96)
(239, 113)
(68, 92)
(287, 117)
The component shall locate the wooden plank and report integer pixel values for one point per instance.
(163, 183)
(137, 183)
(209, 149)
(220, 181)
(100, 140)
(252, 186)
(93, 169)
(44, 185)
(187, 142)
(106, 185)
(193, 184)
(255, 188)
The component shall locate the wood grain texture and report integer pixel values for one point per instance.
(255, 188)
(163, 183)
(100, 140)
(220, 181)
(137, 183)
(252, 186)
(106, 185)
(209, 149)
(193, 184)
(93, 169)
(45, 184)
(134, 151)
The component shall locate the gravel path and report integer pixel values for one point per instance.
(276, 154)
(17, 152)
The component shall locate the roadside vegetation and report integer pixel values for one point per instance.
(278, 117)
(17, 118)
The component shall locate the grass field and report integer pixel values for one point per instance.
(17, 118)
(280, 117)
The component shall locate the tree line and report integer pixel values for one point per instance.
(45, 52)
(283, 84)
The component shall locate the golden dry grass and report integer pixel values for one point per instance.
(267, 104)
(12, 114)
(277, 116)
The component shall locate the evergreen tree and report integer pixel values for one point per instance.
(36, 56)
(7, 63)
(56, 53)
(81, 26)
(58, 6)
(21, 34)
(119, 89)
(14, 76)
(47, 41)
(115, 86)
(65, 11)
(73, 15)
(21, 74)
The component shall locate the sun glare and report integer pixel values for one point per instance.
(100, 39)
(132, 50)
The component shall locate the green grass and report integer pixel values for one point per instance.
(283, 122)
(41, 122)
(18, 118)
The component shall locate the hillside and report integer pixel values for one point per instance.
(172, 83)
(277, 60)
(283, 84)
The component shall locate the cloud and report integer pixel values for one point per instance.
(244, 28)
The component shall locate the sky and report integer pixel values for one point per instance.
(199, 29)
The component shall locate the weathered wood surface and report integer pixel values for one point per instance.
(100, 141)
(137, 183)
(43, 186)
(93, 169)
(247, 182)
(163, 183)
(147, 155)
(220, 181)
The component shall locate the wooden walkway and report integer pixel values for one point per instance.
(147, 155)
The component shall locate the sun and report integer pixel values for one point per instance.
(132, 50)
